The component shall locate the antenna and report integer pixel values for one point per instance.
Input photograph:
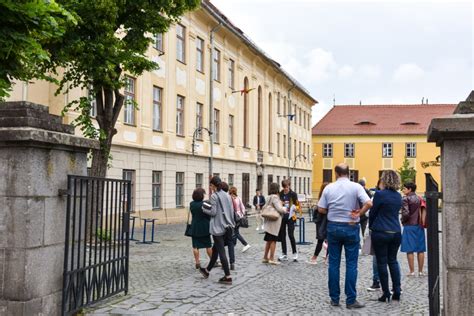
(334, 100)
(360, 102)
(426, 100)
(423, 100)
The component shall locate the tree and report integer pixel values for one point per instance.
(25, 28)
(407, 173)
(110, 40)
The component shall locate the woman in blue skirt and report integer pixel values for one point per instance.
(413, 219)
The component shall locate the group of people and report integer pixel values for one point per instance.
(343, 206)
(221, 218)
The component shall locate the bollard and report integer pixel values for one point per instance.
(302, 240)
(144, 241)
(132, 218)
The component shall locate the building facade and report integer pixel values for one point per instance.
(160, 147)
(373, 138)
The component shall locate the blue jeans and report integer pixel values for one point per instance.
(375, 271)
(339, 235)
(386, 249)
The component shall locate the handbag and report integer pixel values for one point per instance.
(322, 227)
(244, 222)
(188, 232)
(269, 212)
(367, 248)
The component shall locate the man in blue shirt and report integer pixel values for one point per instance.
(340, 201)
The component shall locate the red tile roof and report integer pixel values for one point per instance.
(413, 119)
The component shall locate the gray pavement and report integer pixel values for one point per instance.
(163, 280)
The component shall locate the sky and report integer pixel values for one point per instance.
(365, 52)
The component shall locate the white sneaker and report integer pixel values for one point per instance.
(258, 228)
(283, 258)
(246, 248)
(295, 256)
(262, 227)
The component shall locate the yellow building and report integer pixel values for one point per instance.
(373, 138)
(154, 145)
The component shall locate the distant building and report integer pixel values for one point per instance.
(373, 138)
(153, 146)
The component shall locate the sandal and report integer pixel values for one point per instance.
(411, 274)
(265, 260)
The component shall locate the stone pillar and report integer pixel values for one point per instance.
(37, 152)
(455, 136)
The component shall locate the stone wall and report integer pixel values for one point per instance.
(37, 153)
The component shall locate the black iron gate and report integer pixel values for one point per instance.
(432, 197)
(97, 241)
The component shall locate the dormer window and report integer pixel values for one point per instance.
(365, 123)
(410, 123)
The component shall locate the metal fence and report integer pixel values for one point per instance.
(97, 241)
(432, 198)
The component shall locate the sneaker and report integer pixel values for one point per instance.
(204, 272)
(262, 227)
(335, 304)
(232, 267)
(295, 256)
(274, 262)
(247, 247)
(374, 287)
(283, 258)
(356, 304)
(225, 280)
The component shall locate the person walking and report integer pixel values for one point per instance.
(201, 238)
(321, 230)
(340, 201)
(385, 233)
(239, 210)
(272, 228)
(413, 220)
(258, 203)
(229, 240)
(221, 228)
(290, 202)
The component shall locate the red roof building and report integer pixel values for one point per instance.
(406, 119)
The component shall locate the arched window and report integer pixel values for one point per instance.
(246, 110)
(259, 116)
(270, 124)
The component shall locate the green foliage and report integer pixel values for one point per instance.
(110, 39)
(26, 27)
(103, 234)
(407, 173)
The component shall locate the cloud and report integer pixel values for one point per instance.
(345, 72)
(408, 73)
(370, 71)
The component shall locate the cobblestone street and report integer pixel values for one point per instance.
(163, 280)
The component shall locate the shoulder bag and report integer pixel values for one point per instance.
(269, 212)
(188, 232)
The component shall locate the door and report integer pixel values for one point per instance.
(245, 188)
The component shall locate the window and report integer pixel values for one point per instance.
(410, 150)
(92, 100)
(129, 106)
(278, 103)
(231, 180)
(200, 54)
(180, 116)
(327, 150)
(156, 190)
(216, 65)
(199, 179)
(199, 119)
(387, 150)
(327, 175)
(157, 107)
(216, 125)
(158, 42)
(179, 189)
(354, 175)
(299, 148)
(246, 113)
(180, 43)
(284, 106)
(269, 181)
(278, 144)
(231, 130)
(284, 146)
(304, 186)
(270, 123)
(294, 149)
(130, 175)
(299, 185)
(231, 72)
(349, 150)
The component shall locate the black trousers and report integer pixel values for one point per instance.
(319, 246)
(287, 222)
(363, 224)
(219, 249)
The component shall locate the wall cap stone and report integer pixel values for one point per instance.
(456, 126)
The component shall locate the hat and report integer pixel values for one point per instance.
(206, 205)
